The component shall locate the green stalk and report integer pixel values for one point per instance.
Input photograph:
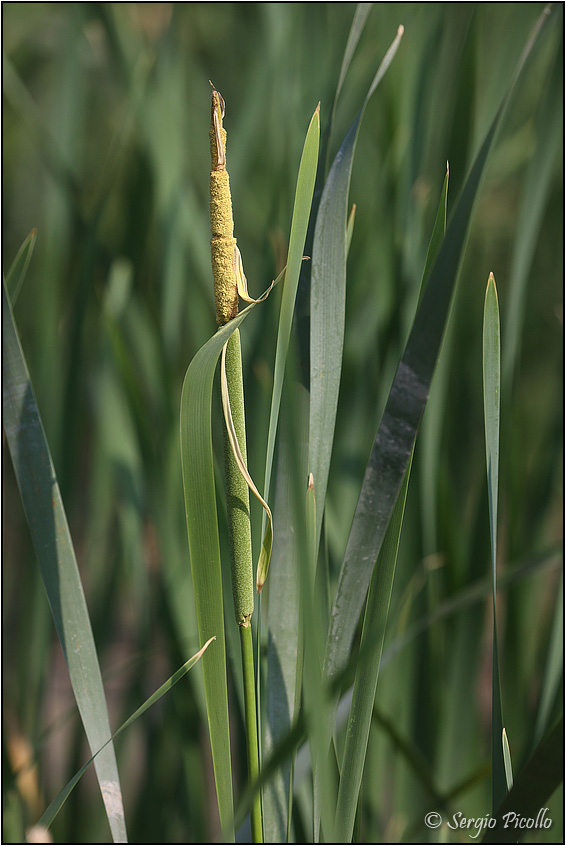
(239, 530)
(251, 728)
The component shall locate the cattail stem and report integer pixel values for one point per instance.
(239, 530)
(251, 728)
(227, 270)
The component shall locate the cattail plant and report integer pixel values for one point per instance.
(229, 283)
(329, 474)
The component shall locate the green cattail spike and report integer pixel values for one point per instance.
(240, 463)
(237, 480)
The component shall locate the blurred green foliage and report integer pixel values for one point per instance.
(106, 114)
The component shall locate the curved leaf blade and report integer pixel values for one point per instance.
(55, 806)
(204, 548)
(45, 514)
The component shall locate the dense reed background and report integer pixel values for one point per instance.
(106, 154)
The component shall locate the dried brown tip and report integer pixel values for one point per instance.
(217, 130)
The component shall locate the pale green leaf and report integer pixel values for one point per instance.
(507, 760)
(301, 212)
(18, 269)
(43, 507)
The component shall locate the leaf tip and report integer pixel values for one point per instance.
(316, 118)
(400, 30)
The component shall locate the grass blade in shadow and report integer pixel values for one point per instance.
(549, 128)
(47, 520)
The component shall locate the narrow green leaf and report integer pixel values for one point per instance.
(50, 534)
(284, 655)
(549, 128)
(18, 269)
(314, 691)
(55, 806)
(350, 229)
(284, 641)
(507, 760)
(301, 211)
(533, 786)
(438, 232)
(491, 399)
(204, 547)
(365, 683)
(554, 668)
(328, 299)
(311, 529)
(356, 29)
(375, 620)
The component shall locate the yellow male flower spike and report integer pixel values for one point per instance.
(223, 243)
(228, 271)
